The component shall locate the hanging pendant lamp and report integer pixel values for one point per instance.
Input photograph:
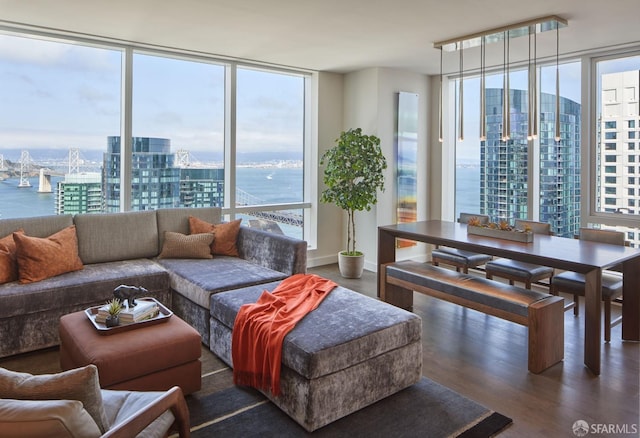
(461, 96)
(557, 84)
(483, 94)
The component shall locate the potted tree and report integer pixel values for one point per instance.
(353, 176)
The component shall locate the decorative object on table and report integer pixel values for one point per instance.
(114, 307)
(149, 311)
(129, 293)
(353, 175)
(500, 230)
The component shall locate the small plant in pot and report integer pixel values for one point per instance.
(114, 307)
(353, 175)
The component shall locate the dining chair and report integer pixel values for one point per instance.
(513, 270)
(460, 259)
(574, 283)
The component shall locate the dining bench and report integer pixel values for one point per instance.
(541, 313)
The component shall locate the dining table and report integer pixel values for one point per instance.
(585, 257)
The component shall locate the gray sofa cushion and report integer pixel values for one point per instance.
(346, 329)
(41, 226)
(91, 286)
(117, 236)
(177, 219)
(197, 280)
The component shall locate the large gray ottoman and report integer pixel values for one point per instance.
(347, 354)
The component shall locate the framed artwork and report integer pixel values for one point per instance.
(406, 139)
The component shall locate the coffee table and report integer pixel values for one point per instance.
(148, 358)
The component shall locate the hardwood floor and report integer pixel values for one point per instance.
(485, 359)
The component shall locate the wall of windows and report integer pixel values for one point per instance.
(521, 178)
(161, 129)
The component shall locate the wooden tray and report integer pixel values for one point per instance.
(163, 316)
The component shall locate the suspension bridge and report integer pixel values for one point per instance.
(281, 216)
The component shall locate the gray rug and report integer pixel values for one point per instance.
(426, 409)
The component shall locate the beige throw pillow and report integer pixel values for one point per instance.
(80, 384)
(182, 246)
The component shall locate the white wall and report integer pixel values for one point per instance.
(370, 103)
(328, 93)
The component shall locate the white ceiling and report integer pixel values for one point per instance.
(329, 35)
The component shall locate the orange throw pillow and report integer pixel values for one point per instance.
(8, 262)
(225, 234)
(41, 258)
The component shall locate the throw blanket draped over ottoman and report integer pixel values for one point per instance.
(350, 352)
(260, 328)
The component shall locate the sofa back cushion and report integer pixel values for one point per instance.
(109, 237)
(40, 226)
(177, 219)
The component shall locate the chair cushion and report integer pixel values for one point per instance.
(119, 405)
(573, 282)
(77, 384)
(459, 256)
(514, 268)
(46, 418)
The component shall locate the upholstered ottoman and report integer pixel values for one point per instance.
(154, 357)
(347, 354)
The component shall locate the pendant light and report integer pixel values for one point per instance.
(530, 27)
(557, 83)
(440, 133)
(461, 96)
(483, 94)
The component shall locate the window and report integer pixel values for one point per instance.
(610, 179)
(492, 176)
(60, 102)
(610, 125)
(60, 94)
(610, 135)
(610, 146)
(610, 158)
(615, 76)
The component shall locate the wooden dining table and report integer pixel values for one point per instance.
(588, 258)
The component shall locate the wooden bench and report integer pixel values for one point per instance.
(542, 313)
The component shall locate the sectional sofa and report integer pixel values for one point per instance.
(123, 248)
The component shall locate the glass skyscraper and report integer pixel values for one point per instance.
(504, 171)
(155, 181)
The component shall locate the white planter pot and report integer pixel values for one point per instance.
(350, 266)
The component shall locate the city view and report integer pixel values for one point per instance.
(64, 97)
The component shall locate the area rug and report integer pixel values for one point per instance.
(426, 409)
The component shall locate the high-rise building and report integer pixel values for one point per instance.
(504, 171)
(201, 187)
(155, 179)
(618, 151)
(79, 193)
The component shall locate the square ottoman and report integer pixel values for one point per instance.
(149, 358)
(347, 354)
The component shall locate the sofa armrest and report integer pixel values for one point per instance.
(274, 251)
(172, 400)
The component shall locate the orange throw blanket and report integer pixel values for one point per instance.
(260, 328)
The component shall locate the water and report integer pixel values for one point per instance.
(265, 185)
(467, 190)
(25, 201)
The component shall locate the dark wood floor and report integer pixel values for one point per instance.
(485, 359)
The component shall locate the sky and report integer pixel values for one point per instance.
(60, 96)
